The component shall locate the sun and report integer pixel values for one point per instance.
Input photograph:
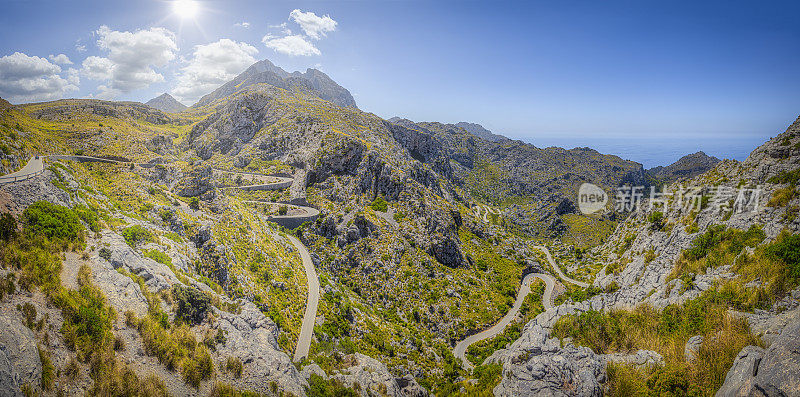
(185, 9)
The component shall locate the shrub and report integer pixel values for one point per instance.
(88, 318)
(159, 257)
(319, 386)
(234, 366)
(282, 210)
(192, 304)
(57, 223)
(136, 234)
(105, 253)
(8, 227)
(665, 332)
(380, 204)
(48, 370)
(166, 215)
(656, 220)
(786, 248)
(194, 203)
(89, 216)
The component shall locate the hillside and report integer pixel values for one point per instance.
(686, 167)
(265, 72)
(170, 253)
(166, 103)
(723, 276)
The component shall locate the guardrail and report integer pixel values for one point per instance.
(13, 179)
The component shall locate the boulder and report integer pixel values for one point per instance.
(768, 372)
(157, 276)
(19, 357)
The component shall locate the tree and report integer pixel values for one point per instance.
(8, 227)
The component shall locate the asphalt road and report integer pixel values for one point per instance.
(310, 316)
(461, 348)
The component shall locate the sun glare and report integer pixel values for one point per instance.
(185, 9)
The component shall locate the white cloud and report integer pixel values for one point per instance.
(98, 68)
(60, 59)
(211, 66)
(314, 26)
(245, 25)
(130, 59)
(294, 45)
(26, 78)
(80, 48)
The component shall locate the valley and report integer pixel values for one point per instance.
(275, 239)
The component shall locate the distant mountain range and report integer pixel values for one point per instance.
(166, 103)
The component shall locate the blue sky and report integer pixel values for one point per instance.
(718, 76)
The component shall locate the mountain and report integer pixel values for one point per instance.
(174, 272)
(166, 103)
(479, 131)
(534, 186)
(719, 260)
(265, 72)
(686, 167)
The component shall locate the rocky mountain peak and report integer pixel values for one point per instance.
(687, 166)
(265, 72)
(166, 103)
(479, 131)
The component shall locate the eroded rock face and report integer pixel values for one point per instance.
(157, 276)
(19, 357)
(196, 183)
(375, 379)
(774, 371)
(251, 337)
(550, 370)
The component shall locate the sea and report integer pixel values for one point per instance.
(658, 151)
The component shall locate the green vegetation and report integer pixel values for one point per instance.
(531, 307)
(59, 224)
(234, 366)
(136, 234)
(48, 370)
(379, 204)
(89, 216)
(656, 220)
(782, 196)
(192, 304)
(283, 210)
(321, 387)
(717, 246)
(159, 257)
(665, 332)
(176, 347)
(8, 227)
(88, 318)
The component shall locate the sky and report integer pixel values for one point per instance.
(646, 80)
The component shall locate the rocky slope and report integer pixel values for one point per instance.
(686, 167)
(641, 262)
(166, 103)
(264, 72)
(479, 131)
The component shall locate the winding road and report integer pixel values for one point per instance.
(558, 269)
(35, 166)
(459, 351)
(310, 316)
(461, 348)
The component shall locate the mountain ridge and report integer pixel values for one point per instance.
(166, 103)
(265, 71)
